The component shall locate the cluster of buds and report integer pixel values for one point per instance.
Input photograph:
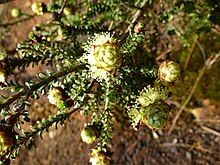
(104, 55)
(7, 139)
(99, 158)
(3, 56)
(38, 8)
(169, 71)
(89, 134)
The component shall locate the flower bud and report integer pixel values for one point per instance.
(15, 12)
(155, 116)
(99, 158)
(169, 71)
(37, 8)
(89, 134)
(7, 140)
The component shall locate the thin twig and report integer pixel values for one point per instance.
(201, 49)
(210, 130)
(62, 7)
(135, 17)
(208, 121)
(194, 146)
(165, 53)
(17, 21)
(190, 54)
(209, 62)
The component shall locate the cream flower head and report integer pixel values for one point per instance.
(103, 55)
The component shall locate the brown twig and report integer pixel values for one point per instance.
(190, 54)
(191, 146)
(201, 49)
(165, 53)
(210, 130)
(209, 62)
(135, 17)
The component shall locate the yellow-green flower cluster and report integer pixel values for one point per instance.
(154, 112)
(149, 95)
(37, 8)
(103, 55)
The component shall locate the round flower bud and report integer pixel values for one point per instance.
(3, 53)
(155, 116)
(55, 96)
(89, 134)
(37, 8)
(104, 53)
(15, 12)
(99, 158)
(169, 71)
(7, 140)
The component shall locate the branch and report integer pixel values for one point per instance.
(27, 91)
(18, 21)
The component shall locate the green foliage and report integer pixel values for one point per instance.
(100, 59)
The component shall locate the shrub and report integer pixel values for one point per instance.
(86, 43)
